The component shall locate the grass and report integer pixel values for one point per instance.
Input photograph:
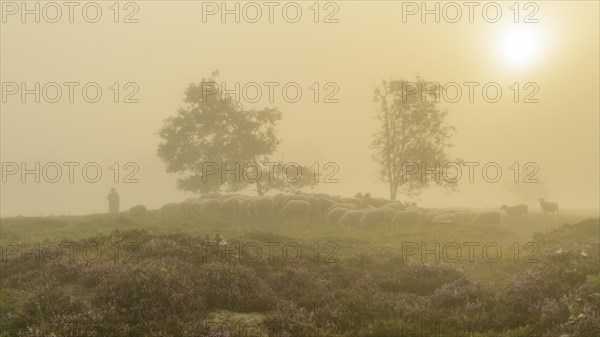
(513, 233)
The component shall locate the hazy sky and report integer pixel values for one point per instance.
(171, 47)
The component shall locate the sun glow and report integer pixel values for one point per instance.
(520, 46)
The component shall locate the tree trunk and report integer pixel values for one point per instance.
(259, 189)
(393, 187)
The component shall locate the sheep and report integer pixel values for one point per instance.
(315, 206)
(342, 205)
(190, 207)
(315, 202)
(446, 218)
(185, 207)
(209, 207)
(245, 206)
(261, 206)
(137, 211)
(465, 217)
(548, 206)
(390, 212)
(211, 196)
(398, 206)
(379, 202)
(408, 217)
(358, 202)
(295, 197)
(351, 218)
(429, 216)
(229, 207)
(366, 198)
(278, 200)
(335, 198)
(297, 210)
(376, 216)
(335, 214)
(490, 218)
(326, 204)
(169, 211)
(453, 211)
(517, 210)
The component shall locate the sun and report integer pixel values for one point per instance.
(520, 46)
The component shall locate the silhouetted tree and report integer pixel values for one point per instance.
(412, 133)
(213, 142)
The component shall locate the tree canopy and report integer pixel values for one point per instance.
(412, 133)
(212, 131)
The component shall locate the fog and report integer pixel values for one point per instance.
(171, 47)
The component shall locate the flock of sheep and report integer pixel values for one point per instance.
(359, 211)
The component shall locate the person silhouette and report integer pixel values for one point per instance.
(113, 201)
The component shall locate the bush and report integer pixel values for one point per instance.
(290, 320)
(463, 301)
(46, 304)
(151, 290)
(236, 288)
(421, 279)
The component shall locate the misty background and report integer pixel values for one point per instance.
(170, 47)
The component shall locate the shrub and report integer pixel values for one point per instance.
(421, 279)
(150, 290)
(290, 320)
(463, 301)
(234, 287)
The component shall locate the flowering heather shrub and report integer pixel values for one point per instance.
(356, 306)
(172, 290)
(336, 275)
(549, 312)
(299, 285)
(138, 236)
(583, 310)
(212, 329)
(575, 237)
(518, 297)
(150, 290)
(46, 304)
(234, 287)
(463, 301)
(585, 325)
(288, 320)
(421, 279)
(358, 303)
(587, 296)
(180, 246)
(537, 294)
(566, 271)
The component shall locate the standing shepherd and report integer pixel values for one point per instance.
(113, 201)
